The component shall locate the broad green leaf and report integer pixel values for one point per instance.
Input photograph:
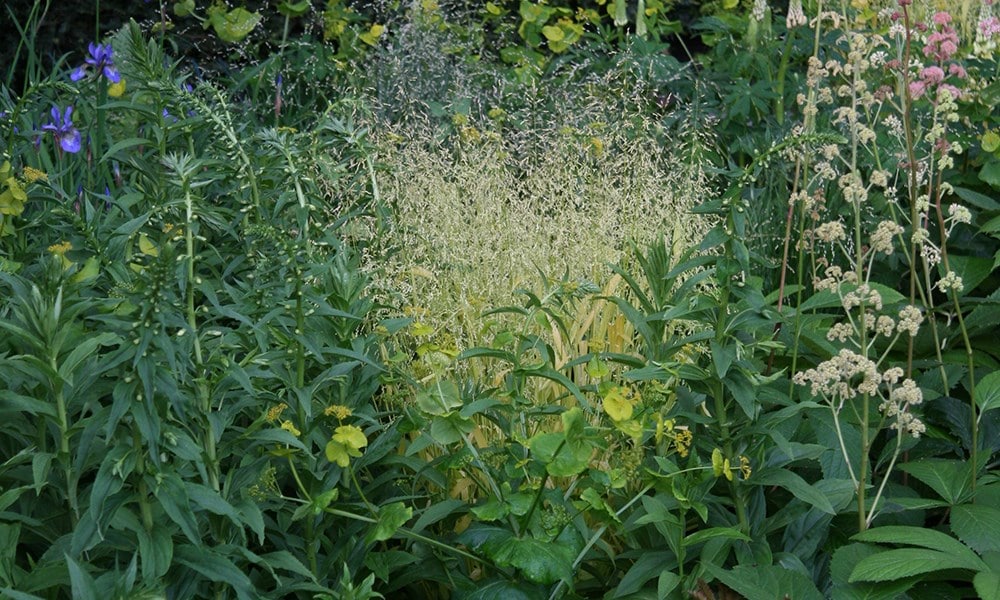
(794, 484)
(617, 404)
(904, 562)
(390, 518)
(766, 582)
(988, 392)
(926, 538)
(987, 585)
(452, 428)
(439, 398)
(508, 590)
(951, 479)
(561, 459)
(540, 561)
(156, 551)
(976, 199)
(845, 559)
(233, 25)
(494, 510)
(990, 173)
(978, 525)
(972, 269)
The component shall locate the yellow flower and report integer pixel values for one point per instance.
(115, 90)
(347, 441)
(274, 412)
(619, 402)
(745, 467)
(290, 428)
(682, 441)
(60, 250)
(337, 410)
(31, 175)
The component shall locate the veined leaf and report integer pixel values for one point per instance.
(904, 562)
(925, 538)
(978, 525)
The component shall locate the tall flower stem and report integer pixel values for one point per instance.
(205, 403)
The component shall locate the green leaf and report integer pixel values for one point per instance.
(494, 510)
(722, 357)
(904, 562)
(990, 173)
(561, 459)
(976, 199)
(174, 500)
(794, 484)
(988, 392)
(81, 581)
(845, 559)
(439, 399)
(649, 565)
(216, 567)
(715, 532)
(972, 269)
(925, 538)
(978, 525)
(591, 499)
(451, 428)
(234, 25)
(951, 479)
(390, 518)
(508, 590)
(540, 561)
(987, 585)
(766, 582)
(156, 551)
(294, 9)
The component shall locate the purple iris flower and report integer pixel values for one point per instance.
(101, 59)
(63, 131)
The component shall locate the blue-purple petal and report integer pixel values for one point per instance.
(112, 74)
(70, 141)
(78, 74)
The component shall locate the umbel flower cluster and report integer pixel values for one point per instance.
(849, 374)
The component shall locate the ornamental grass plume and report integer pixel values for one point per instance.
(483, 221)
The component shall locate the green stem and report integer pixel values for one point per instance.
(145, 510)
(779, 89)
(208, 435)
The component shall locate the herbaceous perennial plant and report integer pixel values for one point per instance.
(874, 198)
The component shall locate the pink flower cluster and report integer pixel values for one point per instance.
(942, 44)
(989, 27)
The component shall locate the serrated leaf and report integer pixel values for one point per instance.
(988, 392)
(951, 479)
(978, 526)
(904, 562)
(925, 538)
(767, 582)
